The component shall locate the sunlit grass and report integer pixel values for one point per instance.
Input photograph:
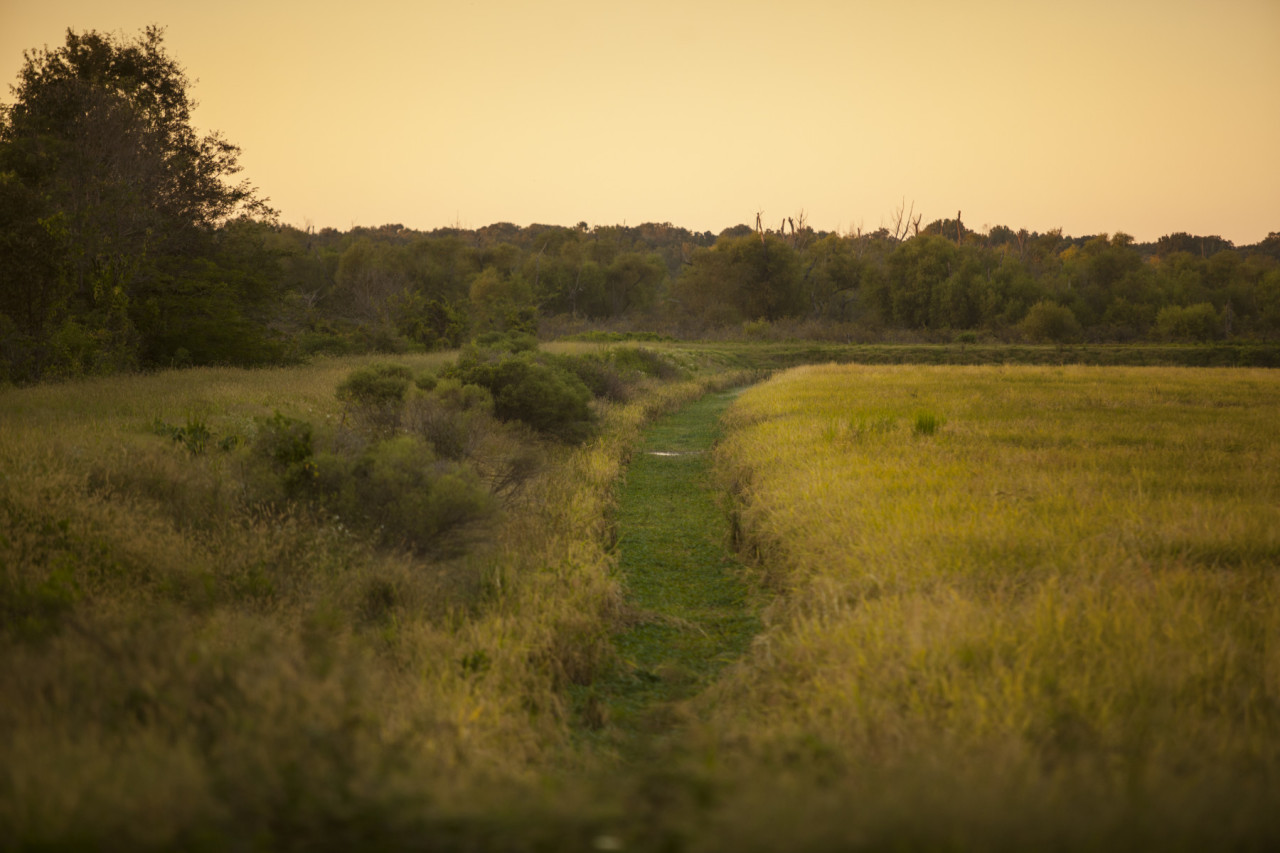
(1012, 606)
(1062, 584)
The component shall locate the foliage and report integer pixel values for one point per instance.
(285, 444)
(185, 665)
(376, 385)
(98, 154)
(548, 398)
(126, 242)
(747, 277)
(1065, 660)
(398, 489)
(1049, 322)
(1198, 322)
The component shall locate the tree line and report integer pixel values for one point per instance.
(126, 242)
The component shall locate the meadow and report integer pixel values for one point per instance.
(1015, 606)
(997, 606)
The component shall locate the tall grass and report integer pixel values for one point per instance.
(1053, 621)
(185, 665)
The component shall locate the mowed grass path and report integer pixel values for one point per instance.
(690, 605)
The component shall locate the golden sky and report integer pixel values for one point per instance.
(1143, 116)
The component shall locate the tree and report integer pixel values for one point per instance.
(1049, 322)
(916, 268)
(833, 272)
(1197, 322)
(100, 129)
(30, 258)
(750, 277)
(501, 303)
(632, 281)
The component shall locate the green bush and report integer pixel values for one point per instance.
(611, 375)
(400, 491)
(451, 417)
(376, 394)
(286, 445)
(550, 399)
(1191, 323)
(644, 361)
(600, 377)
(376, 385)
(511, 341)
(1051, 323)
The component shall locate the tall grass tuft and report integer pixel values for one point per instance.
(926, 423)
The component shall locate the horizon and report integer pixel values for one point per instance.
(716, 232)
(1148, 119)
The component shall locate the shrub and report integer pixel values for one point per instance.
(644, 361)
(1050, 322)
(195, 436)
(601, 378)
(400, 490)
(376, 385)
(451, 418)
(457, 420)
(512, 341)
(550, 399)
(286, 445)
(377, 394)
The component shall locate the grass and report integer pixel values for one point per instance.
(688, 605)
(792, 353)
(1054, 622)
(1009, 607)
(184, 664)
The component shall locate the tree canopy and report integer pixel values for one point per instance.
(99, 151)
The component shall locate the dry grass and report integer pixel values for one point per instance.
(1061, 603)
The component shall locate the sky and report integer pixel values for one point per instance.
(1142, 116)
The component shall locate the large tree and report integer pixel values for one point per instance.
(99, 131)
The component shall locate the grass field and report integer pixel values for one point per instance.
(189, 658)
(1007, 607)
(1015, 605)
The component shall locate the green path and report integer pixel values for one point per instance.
(693, 608)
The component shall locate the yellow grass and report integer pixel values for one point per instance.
(1070, 586)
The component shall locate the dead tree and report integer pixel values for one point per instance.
(904, 223)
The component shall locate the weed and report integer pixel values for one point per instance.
(926, 423)
(194, 436)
